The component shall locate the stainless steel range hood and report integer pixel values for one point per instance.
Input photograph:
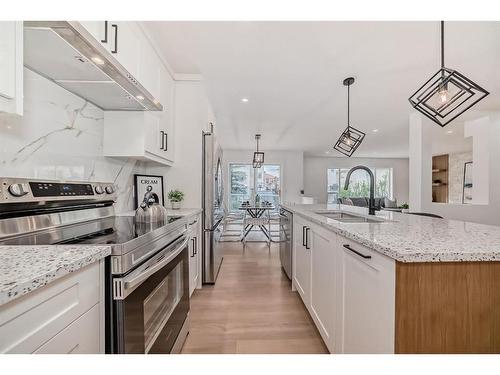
(64, 51)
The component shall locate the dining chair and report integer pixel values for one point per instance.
(264, 220)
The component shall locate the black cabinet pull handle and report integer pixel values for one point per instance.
(307, 238)
(105, 40)
(116, 38)
(166, 140)
(193, 253)
(357, 252)
(196, 245)
(303, 235)
(162, 135)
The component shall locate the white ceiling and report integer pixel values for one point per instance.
(292, 74)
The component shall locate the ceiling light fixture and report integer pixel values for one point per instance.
(351, 138)
(140, 97)
(447, 94)
(449, 132)
(258, 157)
(244, 100)
(375, 130)
(97, 60)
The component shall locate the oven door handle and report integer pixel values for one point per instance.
(148, 271)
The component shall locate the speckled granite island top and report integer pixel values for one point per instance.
(26, 268)
(411, 238)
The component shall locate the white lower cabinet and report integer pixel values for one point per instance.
(367, 300)
(348, 289)
(301, 261)
(65, 316)
(323, 272)
(194, 253)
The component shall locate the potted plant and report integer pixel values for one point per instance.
(175, 197)
(405, 208)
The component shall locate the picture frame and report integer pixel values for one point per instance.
(141, 182)
(467, 183)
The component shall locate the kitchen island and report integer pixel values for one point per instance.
(399, 283)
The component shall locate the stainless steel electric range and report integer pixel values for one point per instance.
(147, 274)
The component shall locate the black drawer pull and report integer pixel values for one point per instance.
(193, 253)
(357, 252)
(307, 238)
(105, 40)
(116, 39)
(303, 235)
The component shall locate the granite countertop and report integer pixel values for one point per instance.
(24, 269)
(411, 238)
(170, 212)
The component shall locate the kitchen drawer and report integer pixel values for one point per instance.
(377, 260)
(80, 337)
(31, 320)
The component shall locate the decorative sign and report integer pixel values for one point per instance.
(141, 182)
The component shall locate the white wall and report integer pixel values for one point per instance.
(315, 174)
(192, 115)
(480, 213)
(291, 163)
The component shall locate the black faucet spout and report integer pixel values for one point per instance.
(371, 203)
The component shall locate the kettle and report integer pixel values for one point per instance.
(150, 214)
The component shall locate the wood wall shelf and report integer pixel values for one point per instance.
(440, 171)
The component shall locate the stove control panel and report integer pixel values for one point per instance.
(27, 190)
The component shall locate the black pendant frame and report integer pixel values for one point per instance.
(466, 93)
(349, 141)
(258, 156)
(351, 138)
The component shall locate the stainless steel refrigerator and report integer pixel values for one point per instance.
(212, 204)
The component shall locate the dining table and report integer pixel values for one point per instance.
(256, 211)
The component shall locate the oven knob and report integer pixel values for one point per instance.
(18, 190)
(110, 190)
(98, 189)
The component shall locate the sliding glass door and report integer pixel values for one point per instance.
(246, 182)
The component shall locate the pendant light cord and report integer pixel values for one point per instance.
(348, 104)
(442, 44)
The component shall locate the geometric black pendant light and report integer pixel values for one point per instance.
(258, 157)
(447, 94)
(351, 138)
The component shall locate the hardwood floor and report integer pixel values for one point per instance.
(251, 308)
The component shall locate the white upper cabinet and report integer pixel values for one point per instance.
(11, 67)
(121, 38)
(149, 69)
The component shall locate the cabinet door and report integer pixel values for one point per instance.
(149, 68)
(323, 261)
(100, 30)
(80, 337)
(11, 67)
(301, 261)
(368, 300)
(125, 44)
(166, 116)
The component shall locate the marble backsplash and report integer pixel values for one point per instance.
(60, 137)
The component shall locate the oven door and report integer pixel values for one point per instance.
(151, 303)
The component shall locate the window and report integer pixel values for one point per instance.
(245, 181)
(359, 185)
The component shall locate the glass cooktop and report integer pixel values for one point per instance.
(110, 230)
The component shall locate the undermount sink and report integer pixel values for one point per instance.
(344, 217)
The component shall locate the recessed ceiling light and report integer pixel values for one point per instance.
(449, 131)
(244, 100)
(375, 130)
(140, 97)
(98, 60)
